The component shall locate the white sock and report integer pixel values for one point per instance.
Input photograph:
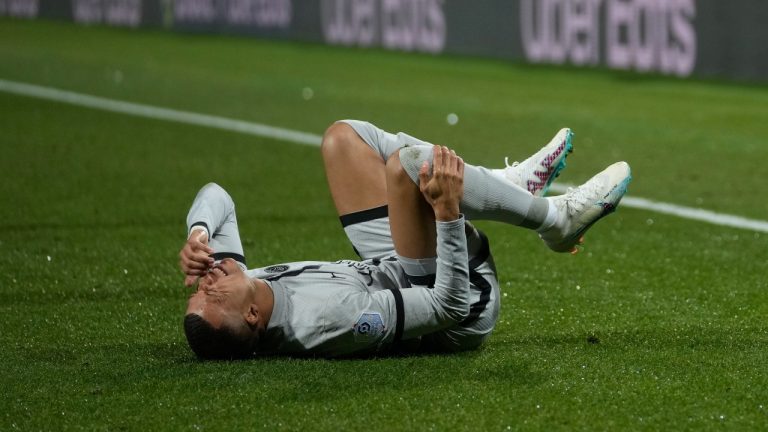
(499, 172)
(551, 218)
(487, 196)
(419, 271)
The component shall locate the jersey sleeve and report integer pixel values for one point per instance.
(358, 323)
(427, 310)
(214, 210)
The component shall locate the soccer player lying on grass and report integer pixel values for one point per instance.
(426, 280)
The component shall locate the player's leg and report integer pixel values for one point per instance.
(354, 153)
(353, 157)
(560, 220)
(487, 195)
(354, 170)
(412, 223)
(535, 174)
(414, 235)
(412, 220)
(356, 174)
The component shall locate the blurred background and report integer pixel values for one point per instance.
(703, 38)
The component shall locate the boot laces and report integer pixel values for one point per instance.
(577, 199)
(506, 163)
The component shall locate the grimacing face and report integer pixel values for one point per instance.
(224, 295)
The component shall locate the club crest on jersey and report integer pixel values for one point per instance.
(276, 269)
(368, 327)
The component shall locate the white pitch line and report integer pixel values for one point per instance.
(304, 138)
(686, 212)
(159, 113)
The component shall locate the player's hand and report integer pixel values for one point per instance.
(444, 188)
(195, 257)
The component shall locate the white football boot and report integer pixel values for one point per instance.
(536, 173)
(582, 206)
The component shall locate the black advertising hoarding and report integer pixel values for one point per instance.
(124, 13)
(704, 38)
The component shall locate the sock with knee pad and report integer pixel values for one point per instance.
(383, 142)
(419, 271)
(486, 195)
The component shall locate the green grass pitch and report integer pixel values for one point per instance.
(659, 324)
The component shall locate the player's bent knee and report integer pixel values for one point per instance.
(409, 160)
(395, 170)
(337, 137)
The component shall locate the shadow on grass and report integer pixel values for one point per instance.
(504, 364)
(298, 376)
(178, 353)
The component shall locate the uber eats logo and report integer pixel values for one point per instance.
(19, 8)
(409, 25)
(112, 12)
(264, 14)
(644, 35)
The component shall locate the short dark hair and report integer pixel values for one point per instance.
(210, 343)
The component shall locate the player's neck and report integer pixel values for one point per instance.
(265, 298)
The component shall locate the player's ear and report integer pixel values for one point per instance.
(253, 316)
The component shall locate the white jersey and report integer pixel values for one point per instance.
(361, 307)
(330, 309)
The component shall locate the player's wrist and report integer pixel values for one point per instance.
(445, 212)
(198, 232)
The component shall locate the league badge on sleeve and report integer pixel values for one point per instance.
(368, 327)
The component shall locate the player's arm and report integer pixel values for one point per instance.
(211, 208)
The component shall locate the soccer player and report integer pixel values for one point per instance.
(426, 280)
